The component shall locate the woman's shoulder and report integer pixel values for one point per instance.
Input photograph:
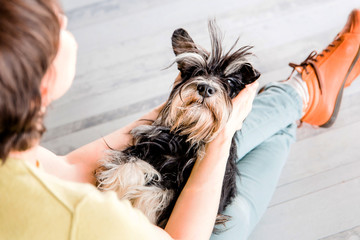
(68, 193)
(92, 213)
(98, 213)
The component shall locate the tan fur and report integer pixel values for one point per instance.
(129, 180)
(200, 118)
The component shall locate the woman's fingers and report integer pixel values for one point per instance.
(248, 93)
(242, 105)
(245, 98)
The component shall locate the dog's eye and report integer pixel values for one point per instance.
(231, 81)
(234, 86)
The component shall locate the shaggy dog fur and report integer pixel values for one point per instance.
(152, 172)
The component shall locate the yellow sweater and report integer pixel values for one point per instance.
(36, 205)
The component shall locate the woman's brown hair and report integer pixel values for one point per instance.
(29, 39)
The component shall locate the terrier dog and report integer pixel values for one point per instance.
(153, 171)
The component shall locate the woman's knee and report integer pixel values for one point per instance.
(241, 221)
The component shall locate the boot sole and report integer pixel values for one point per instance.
(333, 117)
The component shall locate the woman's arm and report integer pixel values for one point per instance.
(195, 211)
(86, 158)
(196, 208)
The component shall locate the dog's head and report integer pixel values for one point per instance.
(200, 102)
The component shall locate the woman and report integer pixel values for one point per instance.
(37, 66)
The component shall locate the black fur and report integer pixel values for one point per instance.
(173, 157)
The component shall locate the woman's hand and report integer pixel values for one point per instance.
(242, 105)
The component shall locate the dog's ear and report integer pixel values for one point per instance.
(249, 74)
(182, 42)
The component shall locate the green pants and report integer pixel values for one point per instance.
(263, 147)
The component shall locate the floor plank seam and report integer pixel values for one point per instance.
(318, 190)
(319, 173)
(353, 233)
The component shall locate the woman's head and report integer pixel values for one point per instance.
(30, 45)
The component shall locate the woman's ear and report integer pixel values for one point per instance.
(45, 90)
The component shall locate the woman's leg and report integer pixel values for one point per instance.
(269, 130)
(260, 170)
(278, 106)
(263, 146)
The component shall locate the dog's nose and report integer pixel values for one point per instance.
(205, 90)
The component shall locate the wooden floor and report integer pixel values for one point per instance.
(124, 47)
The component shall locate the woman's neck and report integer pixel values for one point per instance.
(39, 156)
(31, 155)
(54, 164)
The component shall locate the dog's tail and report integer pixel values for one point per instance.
(135, 180)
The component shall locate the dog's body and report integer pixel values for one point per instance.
(153, 171)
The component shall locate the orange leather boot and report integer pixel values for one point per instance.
(328, 73)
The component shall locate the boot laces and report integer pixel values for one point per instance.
(331, 45)
(312, 59)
